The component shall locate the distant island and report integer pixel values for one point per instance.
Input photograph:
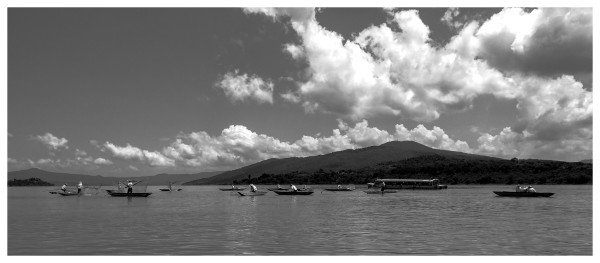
(28, 182)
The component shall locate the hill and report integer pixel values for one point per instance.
(448, 169)
(336, 161)
(72, 179)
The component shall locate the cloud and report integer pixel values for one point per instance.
(450, 18)
(80, 153)
(546, 42)
(241, 87)
(133, 153)
(11, 160)
(133, 168)
(102, 161)
(52, 141)
(391, 69)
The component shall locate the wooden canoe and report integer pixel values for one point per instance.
(288, 192)
(252, 193)
(67, 193)
(232, 189)
(117, 194)
(522, 194)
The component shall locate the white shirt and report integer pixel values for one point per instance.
(130, 184)
(80, 185)
(253, 188)
(293, 188)
(64, 186)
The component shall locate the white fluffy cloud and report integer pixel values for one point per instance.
(133, 153)
(52, 141)
(546, 41)
(102, 161)
(535, 58)
(239, 87)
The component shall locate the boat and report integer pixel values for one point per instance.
(409, 184)
(522, 194)
(53, 192)
(125, 194)
(67, 193)
(252, 193)
(170, 188)
(288, 192)
(379, 191)
(232, 189)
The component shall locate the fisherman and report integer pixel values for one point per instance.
(293, 188)
(232, 187)
(530, 189)
(339, 186)
(253, 188)
(519, 189)
(64, 188)
(79, 187)
(279, 186)
(129, 187)
(382, 187)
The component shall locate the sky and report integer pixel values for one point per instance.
(139, 91)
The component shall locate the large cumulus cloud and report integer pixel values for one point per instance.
(535, 58)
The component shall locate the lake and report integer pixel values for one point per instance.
(201, 220)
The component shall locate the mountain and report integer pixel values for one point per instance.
(72, 179)
(336, 161)
(586, 161)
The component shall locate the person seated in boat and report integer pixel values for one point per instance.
(530, 189)
(339, 186)
(79, 187)
(64, 188)
(253, 188)
(279, 186)
(519, 189)
(293, 188)
(129, 187)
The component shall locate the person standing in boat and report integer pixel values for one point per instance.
(339, 186)
(79, 187)
(382, 187)
(253, 188)
(293, 188)
(129, 187)
(64, 188)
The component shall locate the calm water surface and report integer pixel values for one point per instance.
(201, 220)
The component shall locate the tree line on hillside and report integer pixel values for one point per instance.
(448, 170)
(28, 182)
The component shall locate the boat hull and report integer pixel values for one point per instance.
(67, 194)
(287, 192)
(125, 194)
(169, 190)
(129, 194)
(257, 193)
(521, 194)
